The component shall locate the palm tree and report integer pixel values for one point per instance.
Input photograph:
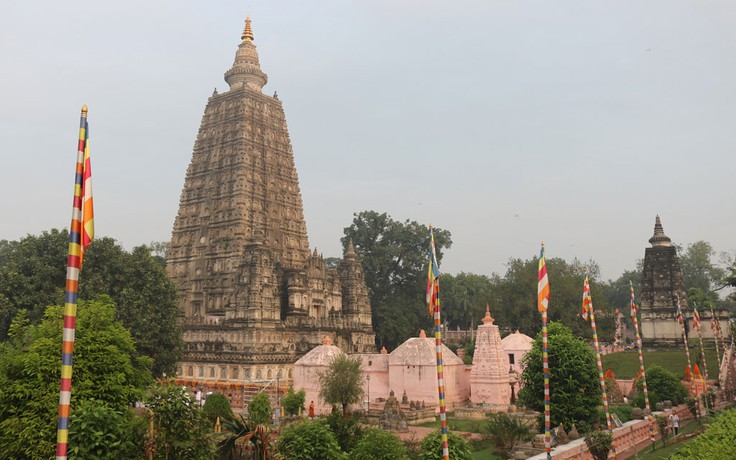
(238, 434)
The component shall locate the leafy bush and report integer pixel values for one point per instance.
(718, 440)
(623, 411)
(379, 445)
(98, 432)
(259, 409)
(662, 385)
(181, 429)
(431, 447)
(347, 430)
(309, 440)
(599, 444)
(217, 405)
(293, 401)
(507, 430)
(576, 395)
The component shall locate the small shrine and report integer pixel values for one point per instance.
(489, 377)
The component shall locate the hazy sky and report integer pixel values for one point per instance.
(506, 122)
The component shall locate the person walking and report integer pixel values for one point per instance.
(676, 423)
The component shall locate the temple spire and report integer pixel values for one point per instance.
(246, 70)
(659, 238)
(247, 32)
(350, 251)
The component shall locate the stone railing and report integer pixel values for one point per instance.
(628, 439)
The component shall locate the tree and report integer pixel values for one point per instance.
(259, 409)
(293, 401)
(182, 430)
(309, 440)
(431, 447)
(33, 276)
(698, 269)
(379, 445)
(662, 385)
(342, 383)
(106, 369)
(216, 405)
(347, 430)
(394, 257)
(239, 433)
(575, 388)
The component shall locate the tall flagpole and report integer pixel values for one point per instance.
(681, 320)
(642, 371)
(80, 234)
(716, 334)
(433, 298)
(589, 311)
(542, 304)
(696, 321)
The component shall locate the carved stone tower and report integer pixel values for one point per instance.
(253, 299)
(662, 281)
(489, 377)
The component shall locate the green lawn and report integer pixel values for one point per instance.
(456, 424)
(625, 364)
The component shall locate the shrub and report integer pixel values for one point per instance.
(507, 430)
(662, 385)
(98, 432)
(379, 445)
(599, 444)
(293, 401)
(217, 405)
(347, 430)
(718, 440)
(259, 409)
(431, 447)
(309, 440)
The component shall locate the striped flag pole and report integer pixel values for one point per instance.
(647, 407)
(81, 232)
(542, 304)
(716, 334)
(696, 322)
(681, 320)
(433, 298)
(589, 312)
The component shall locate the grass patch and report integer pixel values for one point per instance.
(625, 364)
(456, 424)
(486, 454)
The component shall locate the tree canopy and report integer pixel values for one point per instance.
(33, 274)
(394, 256)
(341, 383)
(107, 368)
(575, 392)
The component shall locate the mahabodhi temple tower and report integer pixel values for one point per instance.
(253, 298)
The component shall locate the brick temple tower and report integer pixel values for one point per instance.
(253, 297)
(662, 282)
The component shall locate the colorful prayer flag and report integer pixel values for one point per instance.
(634, 307)
(543, 285)
(433, 274)
(696, 317)
(587, 299)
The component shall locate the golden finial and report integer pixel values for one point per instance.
(84, 110)
(247, 32)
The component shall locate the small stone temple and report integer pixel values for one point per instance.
(411, 370)
(253, 298)
(489, 377)
(662, 283)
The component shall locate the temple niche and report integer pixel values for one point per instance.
(662, 285)
(253, 297)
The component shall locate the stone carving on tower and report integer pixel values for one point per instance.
(253, 298)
